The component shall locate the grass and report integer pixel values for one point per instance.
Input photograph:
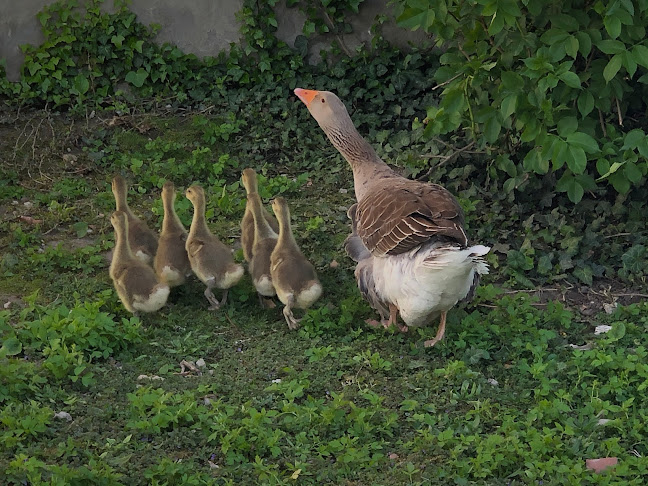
(505, 399)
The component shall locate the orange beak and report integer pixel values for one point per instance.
(306, 95)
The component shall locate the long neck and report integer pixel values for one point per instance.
(171, 222)
(121, 203)
(286, 237)
(251, 185)
(364, 161)
(262, 229)
(122, 248)
(198, 222)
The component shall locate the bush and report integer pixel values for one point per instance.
(545, 87)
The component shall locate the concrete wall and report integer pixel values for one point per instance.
(202, 27)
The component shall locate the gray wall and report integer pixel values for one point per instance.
(202, 27)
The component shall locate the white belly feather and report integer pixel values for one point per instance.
(426, 281)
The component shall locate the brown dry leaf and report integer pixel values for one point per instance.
(393, 456)
(187, 367)
(601, 464)
(30, 220)
(70, 158)
(334, 264)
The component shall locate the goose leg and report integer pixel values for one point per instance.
(393, 319)
(287, 312)
(210, 295)
(431, 342)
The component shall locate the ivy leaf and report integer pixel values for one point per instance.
(137, 78)
(576, 161)
(584, 141)
(612, 67)
(117, 40)
(81, 84)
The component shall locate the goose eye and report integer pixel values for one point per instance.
(323, 100)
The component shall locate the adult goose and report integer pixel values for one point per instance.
(407, 236)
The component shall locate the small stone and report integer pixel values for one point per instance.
(149, 377)
(343, 191)
(276, 380)
(603, 421)
(7, 304)
(393, 456)
(63, 416)
(28, 204)
(610, 308)
(602, 329)
(492, 381)
(200, 363)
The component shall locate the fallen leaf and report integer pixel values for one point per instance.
(393, 456)
(30, 220)
(296, 474)
(610, 308)
(334, 264)
(602, 329)
(70, 158)
(601, 464)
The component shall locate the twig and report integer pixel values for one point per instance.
(618, 234)
(447, 82)
(337, 35)
(618, 111)
(629, 294)
(602, 123)
(445, 160)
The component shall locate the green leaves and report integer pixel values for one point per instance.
(612, 67)
(137, 78)
(418, 15)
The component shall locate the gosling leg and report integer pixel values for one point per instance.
(287, 312)
(215, 305)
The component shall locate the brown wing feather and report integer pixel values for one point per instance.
(401, 214)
